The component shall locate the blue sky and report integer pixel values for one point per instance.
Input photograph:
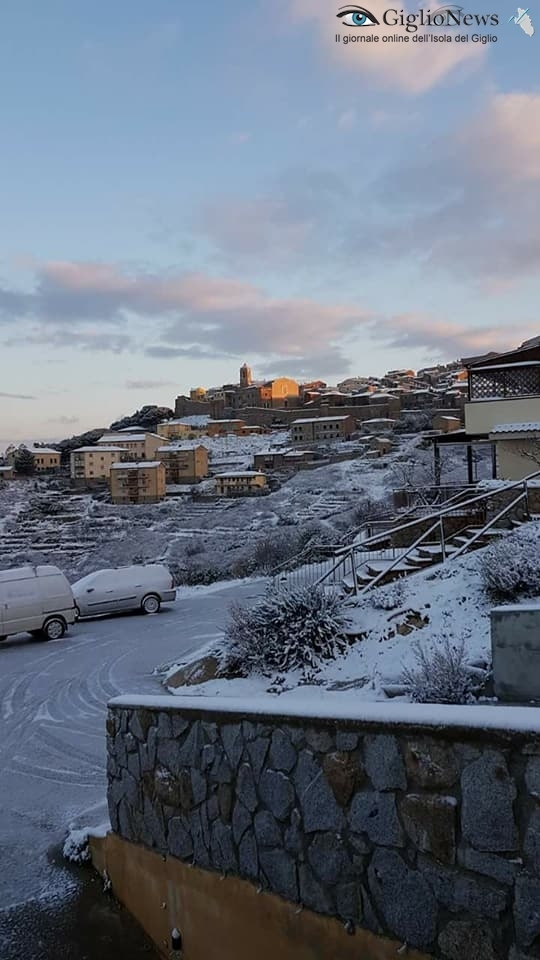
(186, 187)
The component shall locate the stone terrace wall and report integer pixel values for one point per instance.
(429, 835)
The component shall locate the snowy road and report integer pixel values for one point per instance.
(52, 724)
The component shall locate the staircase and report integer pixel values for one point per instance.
(378, 560)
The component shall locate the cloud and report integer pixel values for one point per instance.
(63, 338)
(200, 316)
(443, 338)
(148, 384)
(18, 396)
(468, 205)
(293, 218)
(410, 66)
(65, 421)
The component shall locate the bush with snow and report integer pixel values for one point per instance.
(390, 597)
(76, 847)
(511, 567)
(441, 675)
(286, 630)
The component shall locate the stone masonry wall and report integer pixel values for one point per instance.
(428, 835)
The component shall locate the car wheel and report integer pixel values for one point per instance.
(77, 613)
(151, 603)
(53, 629)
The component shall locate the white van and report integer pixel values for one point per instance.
(143, 587)
(37, 600)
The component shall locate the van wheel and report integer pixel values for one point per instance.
(151, 603)
(53, 629)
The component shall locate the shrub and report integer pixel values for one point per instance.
(390, 597)
(286, 631)
(440, 675)
(511, 567)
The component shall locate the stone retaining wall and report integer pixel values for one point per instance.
(427, 835)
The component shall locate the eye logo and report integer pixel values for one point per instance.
(357, 17)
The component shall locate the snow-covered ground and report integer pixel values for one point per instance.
(52, 724)
(443, 602)
(203, 540)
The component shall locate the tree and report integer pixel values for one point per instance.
(23, 461)
(148, 417)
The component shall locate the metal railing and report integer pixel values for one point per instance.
(350, 558)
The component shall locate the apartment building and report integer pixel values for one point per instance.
(194, 426)
(186, 463)
(142, 482)
(318, 429)
(221, 428)
(93, 464)
(282, 459)
(240, 483)
(137, 446)
(45, 460)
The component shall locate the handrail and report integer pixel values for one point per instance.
(464, 503)
(488, 526)
(438, 517)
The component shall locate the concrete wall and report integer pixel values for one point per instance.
(517, 457)
(515, 644)
(482, 415)
(425, 836)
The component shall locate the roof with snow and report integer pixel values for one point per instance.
(181, 447)
(379, 420)
(129, 438)
(34, 449)
(193, 421)
(101, 449)
(136, 466)
(239, 473)
(533, 427)
(296, 423)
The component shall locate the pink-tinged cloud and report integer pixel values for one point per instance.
(449, 339)
(193, 315)
(410, 66)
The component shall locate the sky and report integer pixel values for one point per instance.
(185, 187)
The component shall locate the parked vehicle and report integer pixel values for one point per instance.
(144, 587)
(36, 600)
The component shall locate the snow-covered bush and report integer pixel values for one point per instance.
(76, 847)
(390, 597)
(511, 567)
(285, 630)
(441, 675)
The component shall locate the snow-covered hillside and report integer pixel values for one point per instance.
(204, 540)
(445, 602)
